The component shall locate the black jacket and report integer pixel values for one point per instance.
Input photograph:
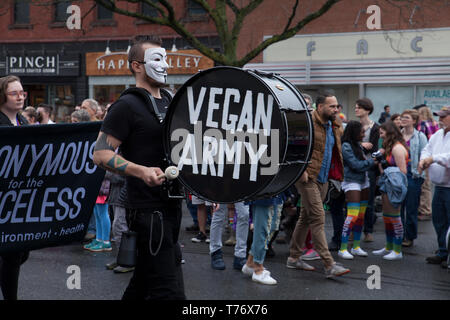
(4, 120)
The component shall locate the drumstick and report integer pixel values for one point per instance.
(170, 173)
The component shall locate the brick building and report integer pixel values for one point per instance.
(62, 67)
(405, 62)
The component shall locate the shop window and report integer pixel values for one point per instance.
(195, 12)
(194, 9)
(36, 94)
(21, 12)
(103, 13)
(105, 94)
(61, 14)
(398, 98)
(63, 100)
(148, 10)
(435, 97)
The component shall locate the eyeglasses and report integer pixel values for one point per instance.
(405, 118)
(17, 93)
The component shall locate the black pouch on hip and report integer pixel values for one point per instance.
(127, 251)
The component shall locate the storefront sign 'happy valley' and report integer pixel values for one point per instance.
(116, 63)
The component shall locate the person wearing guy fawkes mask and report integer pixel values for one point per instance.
(132, 124)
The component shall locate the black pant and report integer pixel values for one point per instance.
(9, 273)
(338, 215)
(370, 215)
(156, 277)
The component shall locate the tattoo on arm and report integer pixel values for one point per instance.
(117, 164)
(102, 143)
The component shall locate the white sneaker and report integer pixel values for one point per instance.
(359, 252)
(264, 278)
(381, 252)
(344, 254)
(393, 256)
(247, 270)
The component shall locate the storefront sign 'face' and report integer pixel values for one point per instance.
(156, 64)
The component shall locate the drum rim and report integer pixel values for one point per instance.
(285, 110)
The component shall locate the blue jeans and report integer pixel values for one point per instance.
(266, 220)
(410, 207)
(218, 220)
(102, 221)
(441, 217)
(192, 210)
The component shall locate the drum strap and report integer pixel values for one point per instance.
(149, 100)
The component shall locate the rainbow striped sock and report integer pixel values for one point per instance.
(352, 216)
(394, 231)
(357, 229)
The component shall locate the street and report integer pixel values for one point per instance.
(44, 276)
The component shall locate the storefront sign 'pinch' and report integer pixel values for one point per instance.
(48, 184)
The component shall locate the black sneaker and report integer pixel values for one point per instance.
(238, 263)
(111, 265)
(193, 228)
(217, 260)
(200, 237)
(435, 259)
(270, 252)
(333, 246)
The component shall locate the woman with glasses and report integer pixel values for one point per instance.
(416, 141)
(12, 99)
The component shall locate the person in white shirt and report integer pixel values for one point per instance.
(436, 158)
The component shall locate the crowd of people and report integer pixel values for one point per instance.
(352, 163)
(89, 110)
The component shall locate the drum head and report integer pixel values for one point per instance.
(226, 134)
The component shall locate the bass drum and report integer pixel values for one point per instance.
(238, 135)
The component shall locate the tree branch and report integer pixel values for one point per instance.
(237, 27)
(228, 39)
(232, 6)
(112, 6)
(294, 10)
(287, 34)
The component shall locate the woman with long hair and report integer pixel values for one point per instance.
(356, 187)
(396, 154)
(12, 99)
